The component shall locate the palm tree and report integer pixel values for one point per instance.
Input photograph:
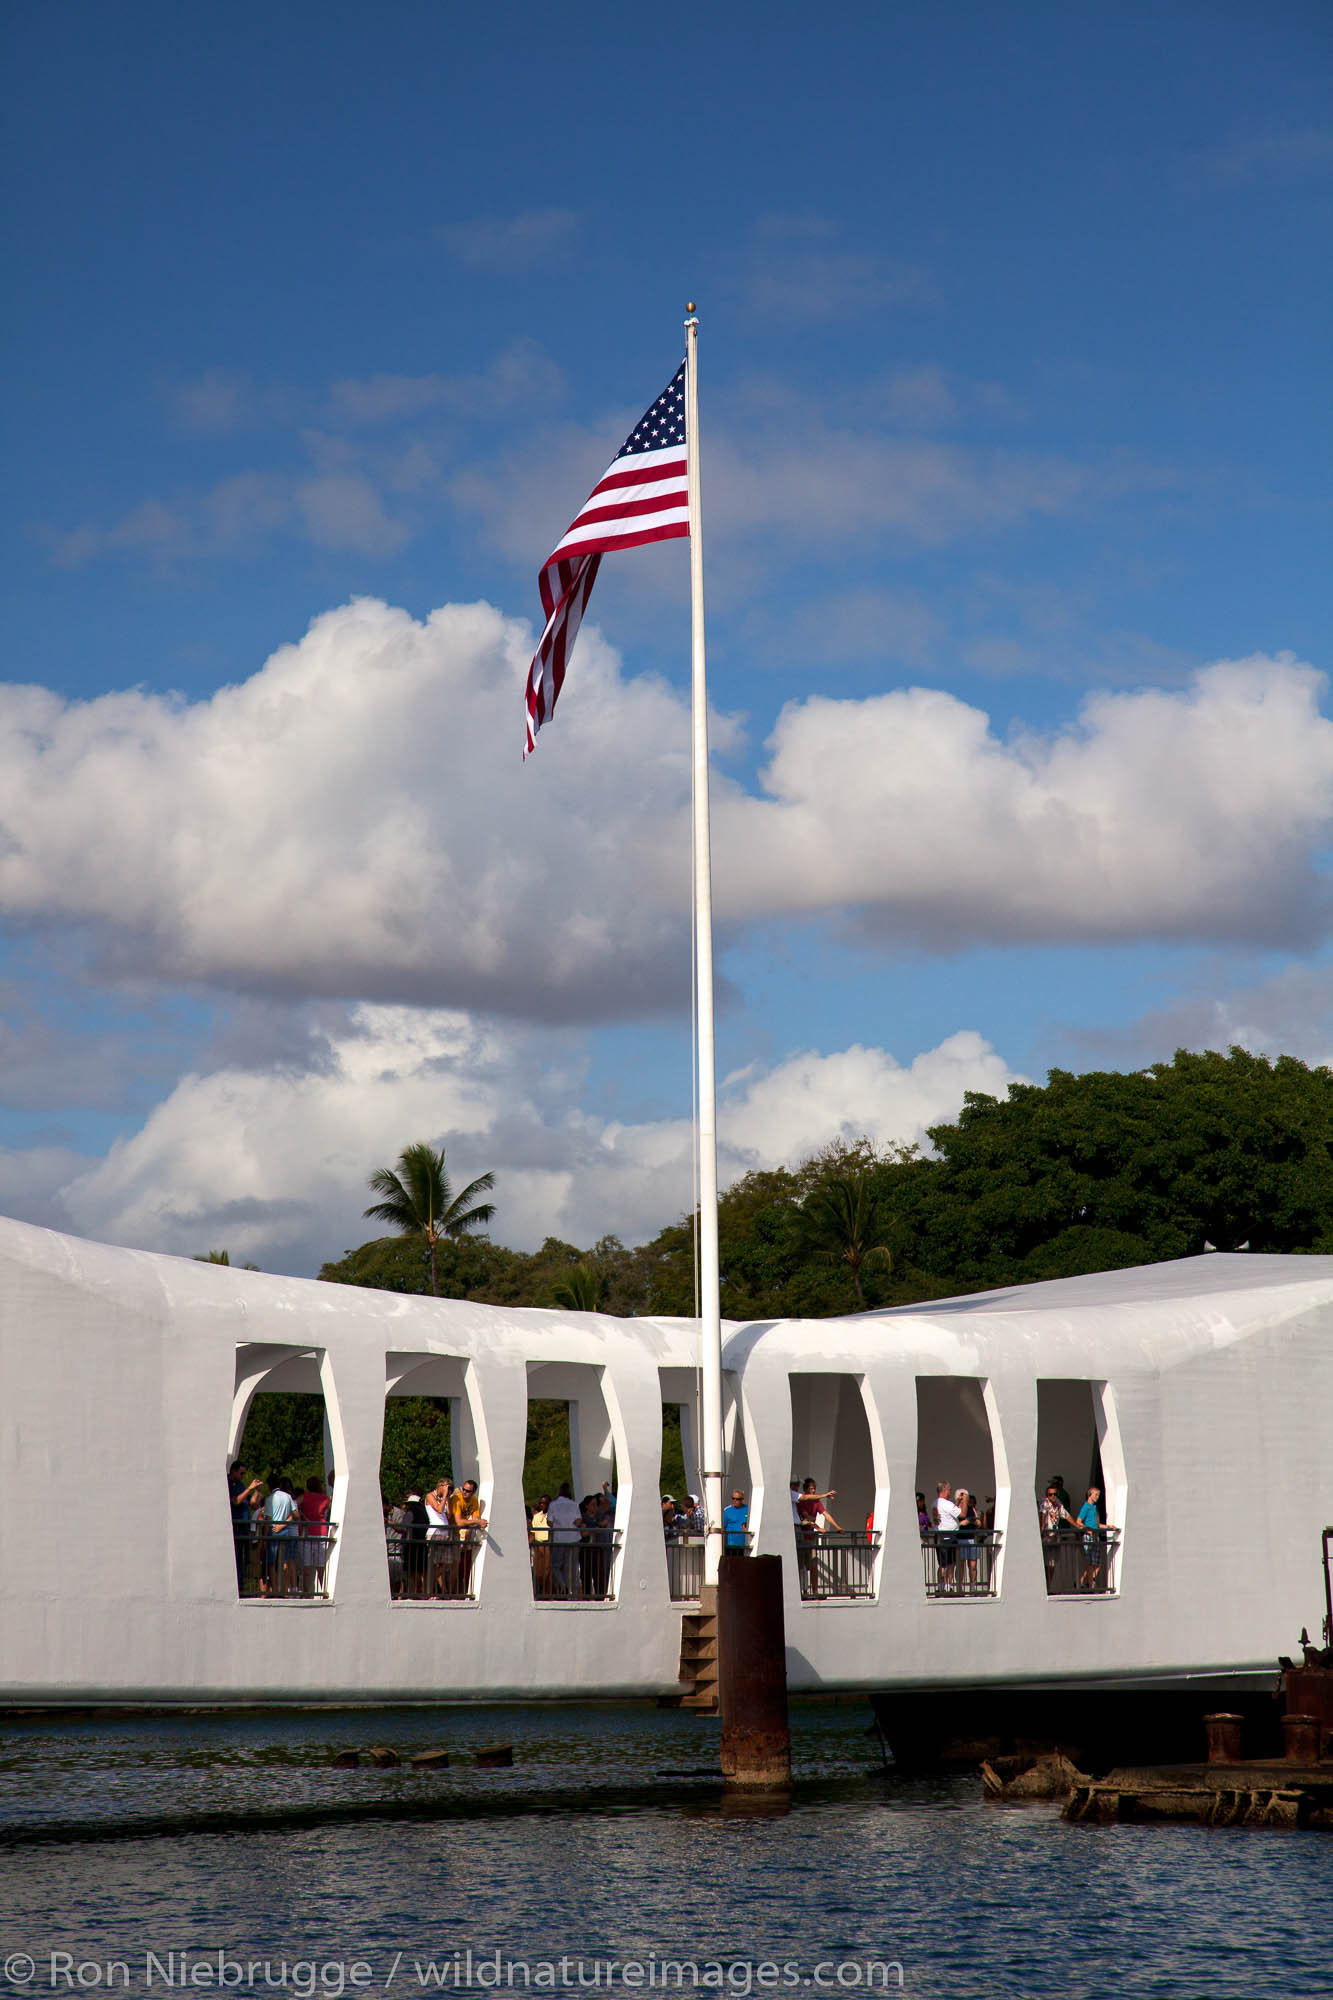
(419, 1201)
(582, 1289)
(844, 1218)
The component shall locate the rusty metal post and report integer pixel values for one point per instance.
(1224, 1737)
(752, 1674)
(1301, 1734)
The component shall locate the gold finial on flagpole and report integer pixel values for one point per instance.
(690, 306)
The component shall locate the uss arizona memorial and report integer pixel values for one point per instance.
(1202, 1391)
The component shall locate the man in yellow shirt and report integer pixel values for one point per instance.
(465, 1511)
(539, 1540)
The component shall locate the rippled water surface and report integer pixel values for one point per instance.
(234, 1835)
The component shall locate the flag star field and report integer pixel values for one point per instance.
(333, 382)
(663, 424)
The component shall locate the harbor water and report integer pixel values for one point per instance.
(220, 1853)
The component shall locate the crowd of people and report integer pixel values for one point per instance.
(432, 1539)
(962, 1536)
(810, 1514)
(571, 1543)
(681, 1520)
(1060, 1526)
(282, 1539)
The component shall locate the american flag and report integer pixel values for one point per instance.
(641, 497)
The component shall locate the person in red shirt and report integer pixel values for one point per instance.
(810, 1508)
(313, 1507)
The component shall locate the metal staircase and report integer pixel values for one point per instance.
(698, 1655)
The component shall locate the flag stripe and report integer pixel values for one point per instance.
(608, 501)
(604, 504)
(600, 521)
(663, 531)
(644, 465)
(633, 500)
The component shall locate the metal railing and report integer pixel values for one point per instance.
(685, 1562)
(961, 1565)
(576, 1569)
(291, 1561)
(1080, 1562)
(433, 1565)
(685, 1567)
(836, 1563)
(440, 1566)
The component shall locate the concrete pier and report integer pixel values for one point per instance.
(1252, 1793)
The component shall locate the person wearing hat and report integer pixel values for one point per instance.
(669, 1516)
(695, 1521)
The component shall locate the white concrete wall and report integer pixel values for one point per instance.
(123, 1381)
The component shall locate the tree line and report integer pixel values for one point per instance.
(1085, 1173)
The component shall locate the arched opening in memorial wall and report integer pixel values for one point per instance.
(833, 1453)
(1079, 1453)
(736, 1455)
(284, 1481)
(571, 1443)
(678, 1471)
(958, 1447)
(433, 1482)
(737, 1445)
(680, 1482)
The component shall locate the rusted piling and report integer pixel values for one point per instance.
(1301, 1734)
(752, 1674)
(1224, 1733)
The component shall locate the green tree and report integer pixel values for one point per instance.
(547, 1457)
(388, 1264)
(1084, 1173)
(417, 1448)
(582, 1289)
(284, 1432)
(845, 1219)
(418, 1200)
(1107, 1169)
(672, 1476)
(771, 1266)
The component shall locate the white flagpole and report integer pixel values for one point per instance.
(710, 1311)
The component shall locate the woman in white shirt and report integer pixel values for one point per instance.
(439, 1537)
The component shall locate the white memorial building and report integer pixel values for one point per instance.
(1198, 1395)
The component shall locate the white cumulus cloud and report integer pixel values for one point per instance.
(271, 1164)
(1196, 814)
(354, 822)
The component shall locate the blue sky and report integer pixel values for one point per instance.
(1015, 426)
